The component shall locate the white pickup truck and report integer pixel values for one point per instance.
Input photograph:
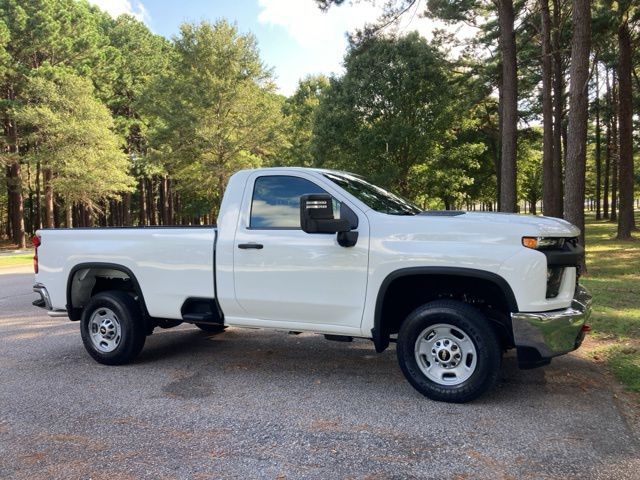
(310, 250)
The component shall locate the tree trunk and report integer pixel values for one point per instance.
(598, 152)
(38, 206)
(508, 193)
(549, 200)
(498, 158)
(14, 184)
(614, 148)
(126, 209)
(171, 197)
(558, 112)
(164, 197)
(578, 115)
(30, 213)
(8, 228)
(142, 212)
(607, 157)
(153, 206)
(17, 208)
(69, 215)
(625, 118)
(48, 198)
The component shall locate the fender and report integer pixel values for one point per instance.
(379, 334)
(74, 314)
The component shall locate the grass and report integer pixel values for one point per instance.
(14, 260)
(614, 280)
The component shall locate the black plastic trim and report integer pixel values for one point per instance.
(379, 335)
(568, 256)
(442, 213)
(74, 313)
(191, 314)
(215, 278)
(250, 246)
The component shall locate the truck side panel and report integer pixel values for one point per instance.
(170, 264)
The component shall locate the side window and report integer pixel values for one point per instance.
(276, 201)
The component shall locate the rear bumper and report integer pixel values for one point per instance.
(45, 301)
(540, 336)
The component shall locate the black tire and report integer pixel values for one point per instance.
(211, 327)
(131, 327)
(465, 319)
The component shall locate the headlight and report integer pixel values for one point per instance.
(543, 243)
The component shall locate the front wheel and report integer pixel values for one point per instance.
(112, 328)
(448, 351)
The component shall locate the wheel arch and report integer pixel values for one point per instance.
(74, 296)
(381, 330)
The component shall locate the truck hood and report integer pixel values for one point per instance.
(479, 227)
(541, 226)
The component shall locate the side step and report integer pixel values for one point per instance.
(205, 317)
(201, 310)
(338, 338)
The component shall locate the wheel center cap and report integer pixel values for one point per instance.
(444, 355)
(103, 330)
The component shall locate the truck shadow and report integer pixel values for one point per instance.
(260, 356)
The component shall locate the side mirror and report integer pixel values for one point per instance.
(316, 215)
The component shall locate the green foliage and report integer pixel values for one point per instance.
(71, 133)
(401, 117)
(388, 112)
(55, 58)
(299, 112)
(141, 57)
(530, 165)
(216, 109)
(203, 105)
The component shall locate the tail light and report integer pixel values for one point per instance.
(36, 241)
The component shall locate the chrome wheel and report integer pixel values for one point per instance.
(445, 354)
(104, 330)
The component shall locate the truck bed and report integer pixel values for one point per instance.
(170, 263)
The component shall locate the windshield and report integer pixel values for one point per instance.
(375, 197)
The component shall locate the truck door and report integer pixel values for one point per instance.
(283, 274)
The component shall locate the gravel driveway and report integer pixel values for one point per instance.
(257, 404)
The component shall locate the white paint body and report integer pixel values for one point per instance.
(300, 281)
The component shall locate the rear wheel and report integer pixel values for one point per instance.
(211, 328)
(112, 328)
(448, 351)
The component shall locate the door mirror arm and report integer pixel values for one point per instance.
(347, 239)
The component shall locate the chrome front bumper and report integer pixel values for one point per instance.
(540, 336)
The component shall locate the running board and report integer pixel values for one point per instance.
(338, 338)
(205, 317)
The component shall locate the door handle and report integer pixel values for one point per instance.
(246, 246)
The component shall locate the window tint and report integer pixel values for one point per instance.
(276, 201)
